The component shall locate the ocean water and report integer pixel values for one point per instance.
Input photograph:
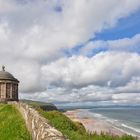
(124, 118)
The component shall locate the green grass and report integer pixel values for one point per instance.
(74, 130)
(12, 125)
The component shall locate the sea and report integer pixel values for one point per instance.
(125, 118)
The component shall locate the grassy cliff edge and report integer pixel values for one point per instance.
(72, 130)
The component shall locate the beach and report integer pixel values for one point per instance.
(92, 124)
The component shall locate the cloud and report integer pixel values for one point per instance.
(133, 86)
(104, 69)
(126, 98)
(68, 96)
(44, 32)
(124, 44)
(90, 95)
(34, 36)
(104, 77)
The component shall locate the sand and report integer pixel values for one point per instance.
(93, 124)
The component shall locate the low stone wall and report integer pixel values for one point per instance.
(38, 126)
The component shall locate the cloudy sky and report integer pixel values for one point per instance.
(73, 51)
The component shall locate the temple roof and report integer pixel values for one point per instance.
(4, 75)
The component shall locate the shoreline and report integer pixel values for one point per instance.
(93, 124)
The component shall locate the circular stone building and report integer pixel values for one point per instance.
(8, 86)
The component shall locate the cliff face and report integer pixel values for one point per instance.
(38, 126)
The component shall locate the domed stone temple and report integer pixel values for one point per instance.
(8, 86)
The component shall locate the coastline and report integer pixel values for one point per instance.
(93, 124)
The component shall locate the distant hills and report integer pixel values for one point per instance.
(43, 105)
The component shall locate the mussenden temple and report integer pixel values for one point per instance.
(8, 86)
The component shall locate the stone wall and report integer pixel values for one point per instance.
(38, 126)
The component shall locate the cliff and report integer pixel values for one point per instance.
(40, 127)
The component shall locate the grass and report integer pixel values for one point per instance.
(74, 130)
(12, 125)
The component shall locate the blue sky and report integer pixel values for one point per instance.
(73, 52)
(126, 27)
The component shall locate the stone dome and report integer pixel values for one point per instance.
(4, 75)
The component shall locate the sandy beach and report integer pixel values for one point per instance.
(93, 124)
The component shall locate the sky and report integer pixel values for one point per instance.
(73, 52)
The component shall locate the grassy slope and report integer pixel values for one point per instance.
(75, 131)
(12, 125)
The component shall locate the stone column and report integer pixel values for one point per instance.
(0, 90)
(11, 91)
(4, 90)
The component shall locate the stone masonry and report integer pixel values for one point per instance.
(8, 86)
(38, 126)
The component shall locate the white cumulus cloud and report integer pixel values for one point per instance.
(34, 36)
